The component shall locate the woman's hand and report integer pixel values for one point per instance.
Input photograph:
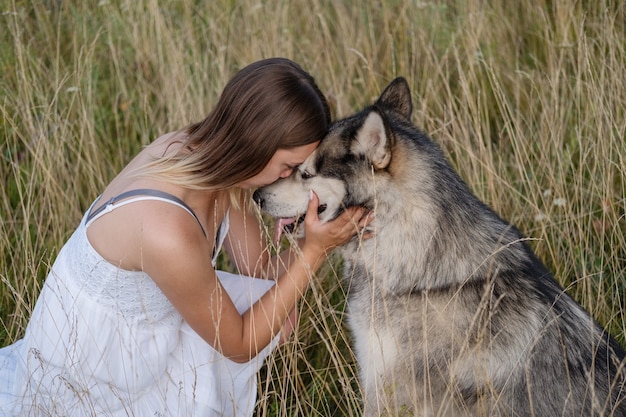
(325, 237)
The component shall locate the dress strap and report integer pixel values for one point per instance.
(141, 195)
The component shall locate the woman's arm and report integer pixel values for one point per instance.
(247, 246)
(176, 256)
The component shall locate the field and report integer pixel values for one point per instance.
(527, 98)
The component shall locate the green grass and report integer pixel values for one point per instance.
(527, 98)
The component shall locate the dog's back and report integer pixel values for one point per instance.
(451, 312)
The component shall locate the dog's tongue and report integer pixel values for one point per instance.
(280, 227)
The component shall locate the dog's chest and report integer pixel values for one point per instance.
(376, 348)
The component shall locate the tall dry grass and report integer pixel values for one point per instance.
(527, 98)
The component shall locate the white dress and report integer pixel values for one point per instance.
(103, 341)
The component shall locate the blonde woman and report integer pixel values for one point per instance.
(133, 319)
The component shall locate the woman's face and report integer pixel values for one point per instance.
(281, 165)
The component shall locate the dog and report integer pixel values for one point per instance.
(450, 311)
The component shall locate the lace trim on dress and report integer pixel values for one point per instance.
(131, 293)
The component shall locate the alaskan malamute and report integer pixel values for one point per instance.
(451, 312)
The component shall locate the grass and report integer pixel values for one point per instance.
(527, 98)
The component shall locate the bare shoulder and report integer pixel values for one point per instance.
(177, 257)
(146, 234)
(169, 234)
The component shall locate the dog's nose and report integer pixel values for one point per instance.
(256, 196)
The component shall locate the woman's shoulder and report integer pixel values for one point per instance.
(164, 226)
(147, 230)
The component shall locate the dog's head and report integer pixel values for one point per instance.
(342, 171)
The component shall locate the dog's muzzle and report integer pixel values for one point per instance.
(286, 225)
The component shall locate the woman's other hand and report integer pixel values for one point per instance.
(326, 236)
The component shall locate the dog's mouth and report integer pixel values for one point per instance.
(286, 226)
(290, 225)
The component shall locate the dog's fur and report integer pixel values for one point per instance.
(451, 312)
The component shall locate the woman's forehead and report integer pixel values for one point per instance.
(297, 155)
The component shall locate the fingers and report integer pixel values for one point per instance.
(356, 215)
(314, 202)
(360, 216)
(350, 223)
(354, 221)
(365, 221)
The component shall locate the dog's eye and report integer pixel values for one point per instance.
(305, 175)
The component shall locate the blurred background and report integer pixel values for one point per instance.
(527, 98)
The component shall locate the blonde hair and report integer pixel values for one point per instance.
(268, 105)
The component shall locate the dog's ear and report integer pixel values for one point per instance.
(373, 141)
(397, 98)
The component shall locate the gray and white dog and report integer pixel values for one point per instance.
(451, 312)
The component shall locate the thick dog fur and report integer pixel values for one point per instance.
(451, 312)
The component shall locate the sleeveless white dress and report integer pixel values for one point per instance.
(103, 341)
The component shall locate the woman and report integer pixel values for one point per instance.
(133, 318)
